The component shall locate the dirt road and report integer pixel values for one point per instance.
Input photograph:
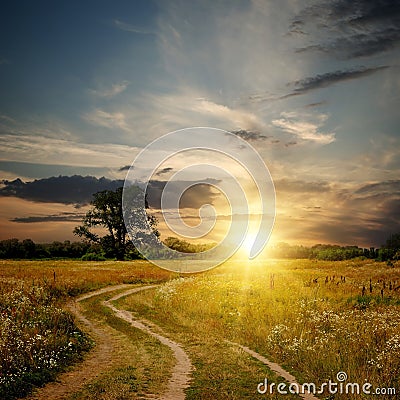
(98, 360)
(181, 373)
(104, 355)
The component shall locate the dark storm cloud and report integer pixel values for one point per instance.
(380, 203)
(350, 29)
(346, 230)
(62, 189)
(366, 223)
(364, 215)
(324, 80)
(63, 217)
(195, 197)
(369, 214)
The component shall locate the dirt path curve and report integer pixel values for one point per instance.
(275, 368)
(101, 357)
(181, 373)
(98, 360)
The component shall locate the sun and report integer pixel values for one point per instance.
(249, 241)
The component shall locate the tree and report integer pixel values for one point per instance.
(185, 247)
(107, 212)
(390, 251)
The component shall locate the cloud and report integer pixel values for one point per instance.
(8, 119)
(106, 119)
(164, 171)
(62, 189)
(4, 61)
(63, 217)
(316, 104)
(319, 81)
(249, 135)
(112, 91)
(324, 80)
(123, 26)
(124, 168)
(337, 213)
(195, 197)
(307, 130)
(241, 118)
(380, 188)
(188, 107)
(301, 186)
(350, 29)
(17, 169)
(30, 148)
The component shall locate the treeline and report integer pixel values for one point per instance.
(28, 249)
(388, 252)
(186, 247)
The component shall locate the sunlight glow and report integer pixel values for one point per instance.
(248, 241)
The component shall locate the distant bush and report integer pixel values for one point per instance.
(93, 257)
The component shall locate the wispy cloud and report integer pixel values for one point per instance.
(317, 104)
(319, 81)
(6, 118)
(167, 112)
(305, 129)
(301, 186)
(381, 188)
(240, 118)
(330, 78)
(124, 26)
(112, 91)
(31, 148)
(107, 119)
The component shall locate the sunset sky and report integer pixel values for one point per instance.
(314, 86)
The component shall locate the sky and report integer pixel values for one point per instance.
(314, 86)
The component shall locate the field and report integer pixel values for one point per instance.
(314, 319)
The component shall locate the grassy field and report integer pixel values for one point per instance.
(313, 318)
(37, 337)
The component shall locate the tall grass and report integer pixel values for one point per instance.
(37, 338)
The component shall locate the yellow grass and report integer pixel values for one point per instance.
(314, 318)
